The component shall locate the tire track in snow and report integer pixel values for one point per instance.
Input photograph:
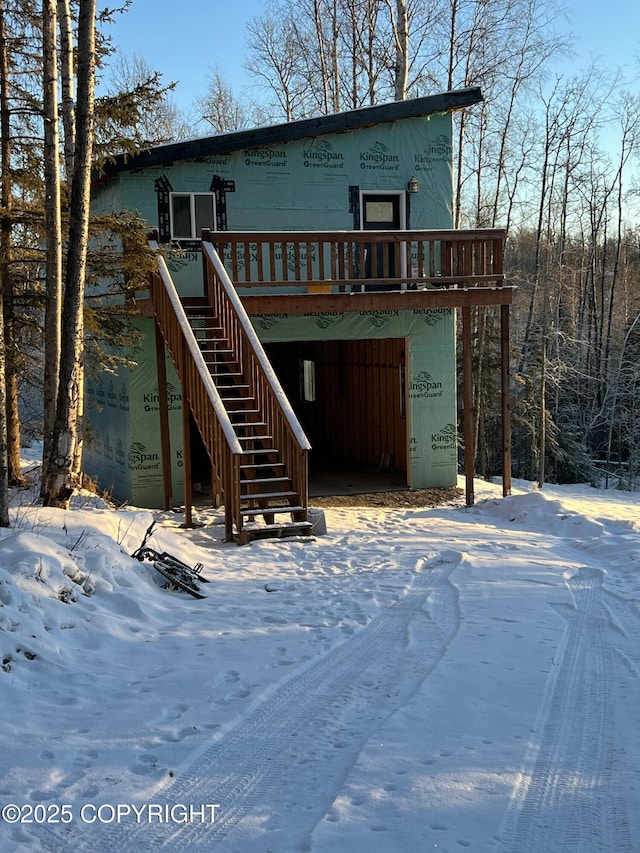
(336, 702)
(564, 802)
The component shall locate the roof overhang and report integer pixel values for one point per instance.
(226, 143)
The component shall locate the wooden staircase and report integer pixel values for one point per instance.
(266, 489)
(257, 449)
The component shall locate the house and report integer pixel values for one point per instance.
(334, 235)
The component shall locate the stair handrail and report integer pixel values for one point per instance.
(254, 340)
(221, 413)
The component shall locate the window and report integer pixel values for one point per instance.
(307, 380)
(190, 213)
(379, 211)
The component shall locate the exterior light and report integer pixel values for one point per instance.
(413, 186)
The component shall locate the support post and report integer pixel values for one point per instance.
(467, 405)
(186, 443)
(163, 410)
(506, 399)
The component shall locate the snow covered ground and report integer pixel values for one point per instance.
(440, 679)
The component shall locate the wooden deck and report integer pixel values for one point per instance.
(315, 272)
(303, 272)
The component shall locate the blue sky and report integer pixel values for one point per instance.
(186, 40)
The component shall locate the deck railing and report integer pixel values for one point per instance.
(346, 261)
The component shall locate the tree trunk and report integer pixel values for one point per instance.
(11, 413)
(4, 467)
(402, 50)
(14, 465)
(68, 123)
(452, 44)
(335, 70)
(67, 86)
(318, 23)
(59, 475)
(542, 427)
(5, 242)
(53, 266)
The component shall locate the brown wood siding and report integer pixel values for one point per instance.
(357, 413)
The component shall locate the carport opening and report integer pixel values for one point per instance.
(351, 399)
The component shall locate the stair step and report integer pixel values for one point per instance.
(247, 425)
(205, 332)
(260, 425)
(242, 403)
(236, 379)
(214, 353)
(203, 310)
(203, 337)
(233, 387)
(194, 316)
(232, 366)
(259, 466)
(259, 438)
(209, 320)
(240, 417)
(201, 307)
(208, 346)
(264, 480)
(249, 512)
(267, 496)
(197, 305)
(216, 368)
(238, 400)
(278, 531)
(232, 412)
(204, 321)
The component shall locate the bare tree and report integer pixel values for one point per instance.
(222, 111)
(615, 390)
(628, 110)
(137, 110)
(320, 56)
(275, 57)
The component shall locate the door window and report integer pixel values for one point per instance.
(380, 212)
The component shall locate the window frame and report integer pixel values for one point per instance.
(192, 213)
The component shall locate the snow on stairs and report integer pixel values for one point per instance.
(269, 505)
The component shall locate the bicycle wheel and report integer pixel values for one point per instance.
(178, 577)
